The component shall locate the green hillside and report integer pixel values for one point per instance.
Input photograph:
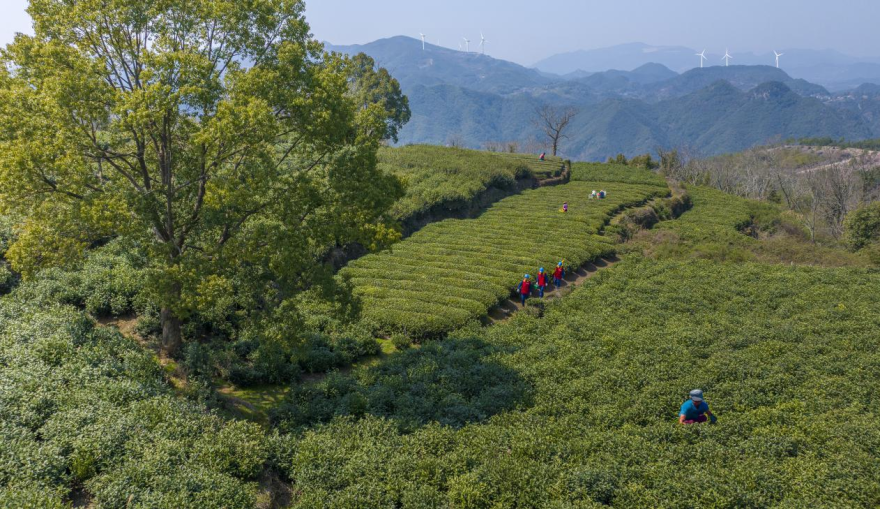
(577, 408)
(223, 285)
(454, 271)
(451, 178)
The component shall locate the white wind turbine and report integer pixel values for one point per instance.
(777, 57)
(423, 40)
(467, 44)
(726, 58)
(702, 57)
(483, 42)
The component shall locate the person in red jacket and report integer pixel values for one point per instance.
(542, 282)
(558, 274)
(541, 157)
(525, 288)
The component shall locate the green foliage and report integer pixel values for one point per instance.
(452, 179)
(615, 172)
(453, 271)
(401, 341)
(211, 165)
(7, 277)
(110, 281)
(790, 373)
(452, 382)
(82, 405)
(375, 89)
(862, 226)
(723, 227)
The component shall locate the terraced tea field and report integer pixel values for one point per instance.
(454, 271)
(452, 177)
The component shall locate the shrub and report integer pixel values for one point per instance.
(862, 226)
(81, 405)
(401, 341)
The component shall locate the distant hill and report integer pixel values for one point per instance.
(470, 99)
(625, 57)
(831, 69)
(405, 59)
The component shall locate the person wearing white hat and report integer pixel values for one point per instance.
(695, 410)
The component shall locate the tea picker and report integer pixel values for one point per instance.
(558, 274)
(542, 282)
(695, 410)
(525, 288)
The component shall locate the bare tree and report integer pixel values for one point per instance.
(843, 186)
(553, 121)
(455, 140)
(808, 203)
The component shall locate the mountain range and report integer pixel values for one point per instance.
(473, 99)
(831, 69)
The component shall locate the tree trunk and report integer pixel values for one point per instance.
(555, 145)
(171, 336)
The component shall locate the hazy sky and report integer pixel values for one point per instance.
(526, 31)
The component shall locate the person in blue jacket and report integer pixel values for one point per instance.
(695, 410)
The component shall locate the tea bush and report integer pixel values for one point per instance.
(110, 281)
(81, 405)
(452, 382)
(453, 177)
(611, 172)
(454, 271)
(787, 356)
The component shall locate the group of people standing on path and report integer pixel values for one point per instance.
(543, 281)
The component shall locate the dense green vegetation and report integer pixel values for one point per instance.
(452, 178)
(82, 406)
(173, 333)
(787, 357)
(453, 271)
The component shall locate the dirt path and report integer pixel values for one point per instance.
(572, 280)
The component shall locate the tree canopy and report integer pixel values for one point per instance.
(216, 134)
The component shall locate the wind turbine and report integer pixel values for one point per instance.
(483, 42)
(467, 44)
(726, 58)
(777, 57)
(702, 57)
(423, 41)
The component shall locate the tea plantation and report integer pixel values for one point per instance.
(579, 408)
(452, 178)
(573, 408)
(455, 270)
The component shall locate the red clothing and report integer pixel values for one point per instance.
(542, 279)
(526, 287)
(558, 273)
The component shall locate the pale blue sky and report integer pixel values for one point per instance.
(526, 31)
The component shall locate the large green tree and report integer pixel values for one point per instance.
(216, 134)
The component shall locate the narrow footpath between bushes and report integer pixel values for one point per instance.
(572, 280)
